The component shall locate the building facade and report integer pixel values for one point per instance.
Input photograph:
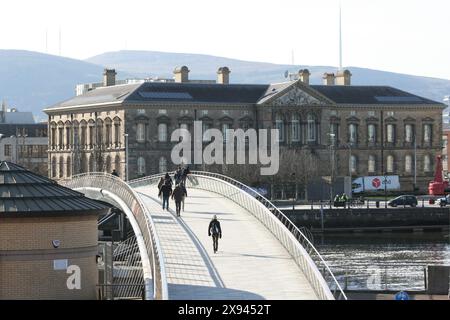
(334, 129)
(26, 145)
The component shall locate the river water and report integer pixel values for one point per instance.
(383, 261)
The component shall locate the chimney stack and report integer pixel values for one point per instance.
(303, 75)
(329, 79)
(223, 75)
(109, 77)
(343, 78)
(181, 74)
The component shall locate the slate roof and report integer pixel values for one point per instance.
(161, 92)
(370, 95)
(24, 193)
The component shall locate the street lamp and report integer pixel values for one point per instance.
(126, 156)
(332, 135)
(350, 166)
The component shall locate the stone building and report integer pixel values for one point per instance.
(337, 128)
(48, 238)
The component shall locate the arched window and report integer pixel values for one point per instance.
(426, 163)
(353, 163)
(141, 165)
(371, 164)
(108, 164)
(68, 141)
(108, 132)
(84, 163)
(117, 164)
(279, 124)
(371, 133)
(409, 133)
(140, 132)
(295, 127)
(83, 126)
(427, 133)
(68, 167)
(54, 168)
(390, 133)
(91, 163)
(311, 129)
(408, 163)
(390, 164)
(61, 167)
(352, 133)
(162, 132)
(162, 165)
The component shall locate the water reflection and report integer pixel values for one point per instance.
(383, 261)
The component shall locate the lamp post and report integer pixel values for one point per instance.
(126, 156)
(349, 145)
(332, 135)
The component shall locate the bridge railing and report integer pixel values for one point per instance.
(293, 239)
(140, 212)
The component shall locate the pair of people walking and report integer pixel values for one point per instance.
(178, 194)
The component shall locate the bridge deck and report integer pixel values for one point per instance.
(250, 262)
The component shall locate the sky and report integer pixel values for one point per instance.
(406, 36)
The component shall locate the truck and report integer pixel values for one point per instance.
(375, 183)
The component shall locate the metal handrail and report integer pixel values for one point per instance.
(292, 238)
(113, 184)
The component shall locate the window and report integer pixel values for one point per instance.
(162, 165)
(353, 113)
(409, 133)
(390, 163)
(204, 112)
(226, 112)
(117, 164)
(353, 163)
(333, 112)
(162, 132)
(68, 138)
(61, 167)
(206, 135)
(54, 168)
(162, 111)
(68, 168)
(7, 150)
(426, 163)
(185, 134)
(390, 133)
(427, 133)
(311, 128)
(371, 113)
(371, 164)
(408, 163)
(390, 113)
(371, 133)
(140, 111)
(141, 165)
(279, 124)
(246, 113)
(295, 128)
(140, 134)
(334, 129)
(225, 127)
(352, 133)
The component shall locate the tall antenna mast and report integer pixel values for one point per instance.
(340, 37)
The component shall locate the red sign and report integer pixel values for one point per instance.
(376, 183)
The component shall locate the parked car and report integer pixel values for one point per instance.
(405, 200)
(443, 201)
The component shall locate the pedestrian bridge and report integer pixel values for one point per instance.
(261, 255)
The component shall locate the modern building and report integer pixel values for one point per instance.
(22, 140)
(334, 129)
(48, 238)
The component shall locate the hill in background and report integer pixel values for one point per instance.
(31, 81)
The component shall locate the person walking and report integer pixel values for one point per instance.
(160, 184)
(166, 192)
(215, 230)
(185, 173)
(168, 180)
(177, 195)
(183, 188)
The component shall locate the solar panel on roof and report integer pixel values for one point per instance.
(166, 95)
(397, 99)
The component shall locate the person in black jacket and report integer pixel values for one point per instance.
(178, 195)
(216, 232)
(166, 191)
